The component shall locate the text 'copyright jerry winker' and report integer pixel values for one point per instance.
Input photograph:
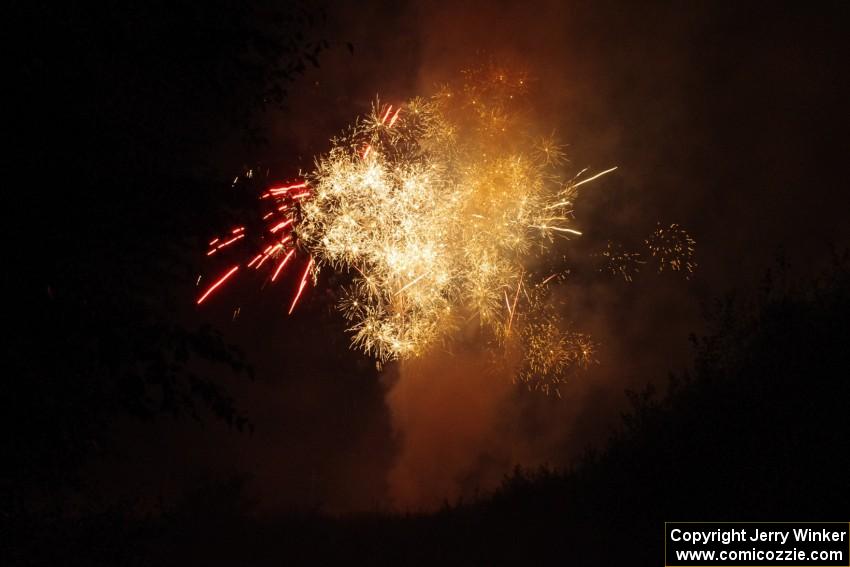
(821, 544)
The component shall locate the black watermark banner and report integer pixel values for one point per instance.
(758, 544)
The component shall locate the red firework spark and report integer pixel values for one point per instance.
(287, 199)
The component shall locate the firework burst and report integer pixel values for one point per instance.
(673, 248)
(439, 210)
(438, 213)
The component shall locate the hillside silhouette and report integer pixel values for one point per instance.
(757, 429)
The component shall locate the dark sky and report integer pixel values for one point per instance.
(727, 118)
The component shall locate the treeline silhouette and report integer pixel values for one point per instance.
(757, 430)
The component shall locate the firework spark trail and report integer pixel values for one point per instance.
(280, 225)
(411, 283)
(224, 244)
(594, 178)
(301, 285)
(512, 308)
(214, 286)
(282, 264)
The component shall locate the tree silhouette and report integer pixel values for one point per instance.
(121, 115)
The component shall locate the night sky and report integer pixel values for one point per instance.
(726, 118)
